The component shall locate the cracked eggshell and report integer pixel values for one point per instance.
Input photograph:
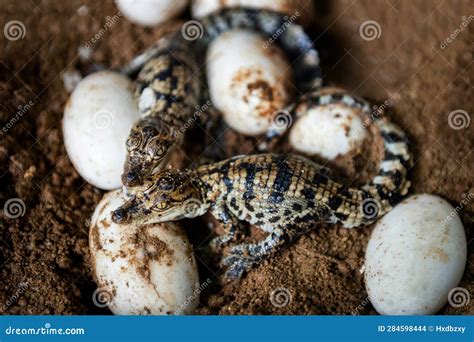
(141, 269)
(150, 12)
(302, 10)
(97, 120)
(415, 256)
(248, 83)
(327, 131)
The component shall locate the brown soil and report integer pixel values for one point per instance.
(44, 253)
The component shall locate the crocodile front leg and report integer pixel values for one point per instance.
(230, 223)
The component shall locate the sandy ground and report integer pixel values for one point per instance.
(44, 253)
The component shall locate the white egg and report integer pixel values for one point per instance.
(301, 10)
(247, 82)
(150, 12)
(97, 120)
(141, 269)
(327, 131)
(415, 256)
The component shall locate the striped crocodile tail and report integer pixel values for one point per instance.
(172, 42)
(390, 184)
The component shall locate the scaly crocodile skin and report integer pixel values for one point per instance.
(168, 89)
(283, 195)
(169, 86)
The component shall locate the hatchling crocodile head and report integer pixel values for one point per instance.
(168, 195)
(147, 150)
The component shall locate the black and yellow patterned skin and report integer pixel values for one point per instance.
(283, 195)
(168, 89)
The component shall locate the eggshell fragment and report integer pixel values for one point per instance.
(327, 131)
(415, 256)
(97, 120)
(150, 12)
(141, 269)
(247, 82)
(302, 10)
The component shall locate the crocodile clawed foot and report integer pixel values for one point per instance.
(238, 265)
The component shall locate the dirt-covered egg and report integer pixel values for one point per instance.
(296, 10)
(150, 12)
(141, 269)
(327, 131)
(415, 257)
(248, 83)
(97, 120)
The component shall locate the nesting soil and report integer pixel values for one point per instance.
(44, 253)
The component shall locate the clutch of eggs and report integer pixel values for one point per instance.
(141, 269)
(249, 81)
(97, 120)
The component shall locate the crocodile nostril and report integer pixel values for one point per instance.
(131, 176)
(118, 215)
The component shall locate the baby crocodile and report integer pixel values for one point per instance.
(283, 195)
(168, 84)
(168, 91)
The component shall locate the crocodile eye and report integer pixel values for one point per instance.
(156, 148)
(162, 205)
(159, 151)
(133, 141)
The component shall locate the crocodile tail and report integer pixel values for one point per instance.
(278, 29)
(172, 42)
(390, 185)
